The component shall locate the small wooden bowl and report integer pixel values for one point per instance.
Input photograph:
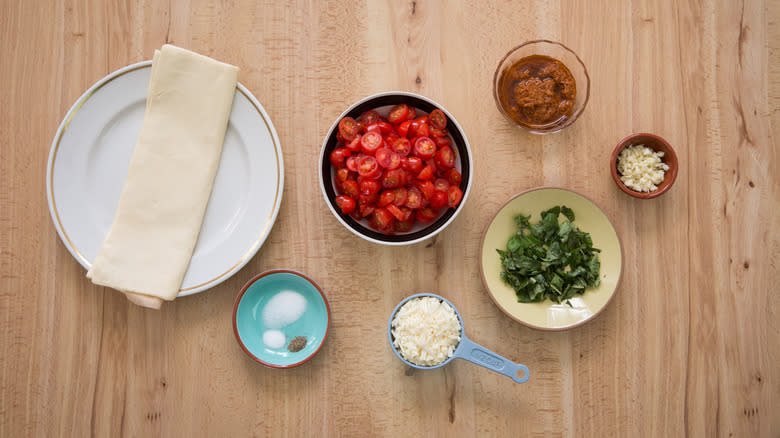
(657, 144)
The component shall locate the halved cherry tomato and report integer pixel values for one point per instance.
(391, 138)
(404, 226)
(342, 174)
(438, 199)
(371, 141)
(340, 138)
(387, 158)
(354, 145)
(454, 177)
(438, 119)
(436, 132)
(366, 209)
(396, 212)
(426, 215)
(381, 219)
(414, 198)
(369, 117)
(380, 126)
(441, 184)
(403, 128)
(424, 147)
(350, 188)
(387, 197)
(454, 195)
(398, 113)
(412, 164)
(427, 173)
(338, 157)
(402, 146)
(369, 199)
(399, 196)
(392, 178)
(368, 167)
(352, 163)
(426, 188)
(369, 187)
(345, 203)
(348, 128)
(442, 141)
(445, 158)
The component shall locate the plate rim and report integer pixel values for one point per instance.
(528, 324)
(243, 259)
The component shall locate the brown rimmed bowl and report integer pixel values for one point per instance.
(655, 143)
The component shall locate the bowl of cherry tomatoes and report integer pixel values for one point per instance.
(395, 168)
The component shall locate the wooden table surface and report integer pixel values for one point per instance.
(689, 346)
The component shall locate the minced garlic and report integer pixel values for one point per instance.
(641, 168)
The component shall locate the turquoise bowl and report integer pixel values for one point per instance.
(248, 322)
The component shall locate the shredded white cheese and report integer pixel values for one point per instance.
(641, 168)
(426, 331)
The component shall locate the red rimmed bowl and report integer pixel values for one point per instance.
(253, 326)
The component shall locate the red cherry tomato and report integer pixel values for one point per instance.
(442, 141)
(366, 209)
(354, 145)
(369, 117)
(392, 178)
(441, 184)
(371, 141)
(438, 199)
(427, 173)
(403, 128)
(454, 195)
(426, 188)
(404, 226)
(399, 196)
(381, 219)
(352, 163)
(381, 127)
(345, 203)
(402, 146)
(369, 187)
(414, 198)
(412, 164)
(454, 177)
(342, 174)
(348, 128)
(387, 197)
(338, 157)
(426, 215)
(424, 147)
(350, 188)
(445, 158)
(437, 119)
(398, 113)
(368, 167)
(387, 158)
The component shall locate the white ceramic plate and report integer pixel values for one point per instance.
(91, 153)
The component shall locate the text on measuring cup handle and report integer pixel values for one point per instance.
(487, 358)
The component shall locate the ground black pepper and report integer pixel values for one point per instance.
(297, 344)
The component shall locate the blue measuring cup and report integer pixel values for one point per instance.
(466, 349)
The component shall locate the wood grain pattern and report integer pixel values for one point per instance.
(689, 346)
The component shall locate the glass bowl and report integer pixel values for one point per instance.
(556, 51)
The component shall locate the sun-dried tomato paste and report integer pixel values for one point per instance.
(537, 90)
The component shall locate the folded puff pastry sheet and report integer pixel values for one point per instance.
(148, 248)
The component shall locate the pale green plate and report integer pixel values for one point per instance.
(589, 218)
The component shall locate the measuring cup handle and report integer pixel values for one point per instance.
(473, 352)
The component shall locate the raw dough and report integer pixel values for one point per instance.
(150, 243)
